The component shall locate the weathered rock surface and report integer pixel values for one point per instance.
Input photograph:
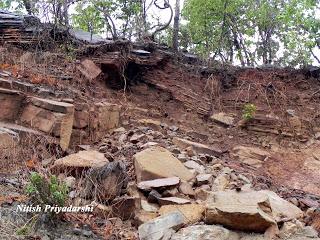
(158, 227)
(157, 183)
(198, 147)
(108, 116)
(250, 155)
(89, 69)
(192, 212)
(11, 102)
(106, 183)
(248, 211)
(205, 232)
(50, 117)
(223, 118)
(157, 162)
(173, 200)
(82, 159)
(186, 189)
(8, 138)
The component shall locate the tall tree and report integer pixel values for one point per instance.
(176, 25)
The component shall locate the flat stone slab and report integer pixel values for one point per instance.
(158, 183)
(198, 147)
(51, 105)
(82, 159)
(173, 200)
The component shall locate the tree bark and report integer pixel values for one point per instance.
(176, 27)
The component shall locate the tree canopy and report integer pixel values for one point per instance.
(246, 32)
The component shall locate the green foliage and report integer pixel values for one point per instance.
(248, 111)
(252, 32)
(88, 18)
(47, 191)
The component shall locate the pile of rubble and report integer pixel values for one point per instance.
(177, 189)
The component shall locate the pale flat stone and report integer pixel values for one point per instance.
(223, 118)
(82, 159)
(51, 105)
(157, 183)
(157, 162)
(173, 200)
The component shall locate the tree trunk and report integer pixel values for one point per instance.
(176, 25)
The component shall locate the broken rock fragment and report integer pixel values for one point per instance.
(205, 232)
(108, 116)
(192, 212)
(223, 118)
(50, 117)
(250, 155)
(8, 138)
(173, 200)
(107, 182)
(11, 102)
(157, 162)
(198, 147)
(158, 183)
(89, 69)
(248, 211)
(82, 159)
(157, 228)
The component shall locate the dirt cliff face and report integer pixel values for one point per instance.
(230, 127)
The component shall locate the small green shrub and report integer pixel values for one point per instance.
(249, 111)
(47, 190)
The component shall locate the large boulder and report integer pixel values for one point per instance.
(249, 211)
(157, 162)
(157, 228)
(198, 147)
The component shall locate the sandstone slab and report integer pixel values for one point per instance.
(108, 116)
(51, 117)
(157, 162)
(11, 102)
(223, 118)
(158, 183)
(89, 69)
(250, 155)
(157, 228)
(205, 232)
(173, 200)
(82, 159)
(198, 147)
(8, 138)
(248, 211)
(192, 212)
